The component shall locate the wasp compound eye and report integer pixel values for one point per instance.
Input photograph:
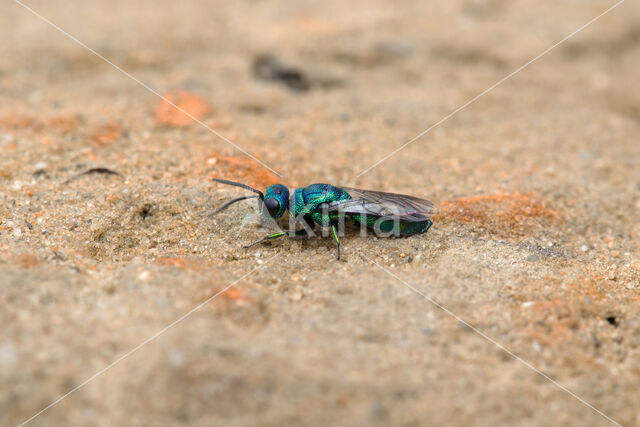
(273, 206)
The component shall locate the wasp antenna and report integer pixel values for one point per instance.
(230, 202)
(237, 184)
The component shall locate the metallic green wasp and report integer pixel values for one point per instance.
(329, 206)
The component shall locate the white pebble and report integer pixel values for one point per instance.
(7, 353)
(176, 358)
(40, 165)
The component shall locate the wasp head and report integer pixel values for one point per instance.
(276, 201)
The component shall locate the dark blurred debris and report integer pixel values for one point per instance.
(145, 211)
(268, 67)
(40, 173)
(613, 320)
(100, 170)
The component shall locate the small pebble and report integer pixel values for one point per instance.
(40, 166)
(176, 358)
(533, 258)
(7, 353)
(584, 248)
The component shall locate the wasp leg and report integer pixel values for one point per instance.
(269, 237)
(334, 232)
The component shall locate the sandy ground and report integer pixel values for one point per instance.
(535, 242)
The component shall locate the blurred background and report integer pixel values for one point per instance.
(535, 241)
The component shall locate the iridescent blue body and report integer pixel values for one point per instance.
(327, 205)
(307, 202)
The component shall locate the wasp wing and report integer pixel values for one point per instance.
(382, 204)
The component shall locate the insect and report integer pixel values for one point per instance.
(327, 205)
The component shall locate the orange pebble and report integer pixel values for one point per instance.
(181, 108)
